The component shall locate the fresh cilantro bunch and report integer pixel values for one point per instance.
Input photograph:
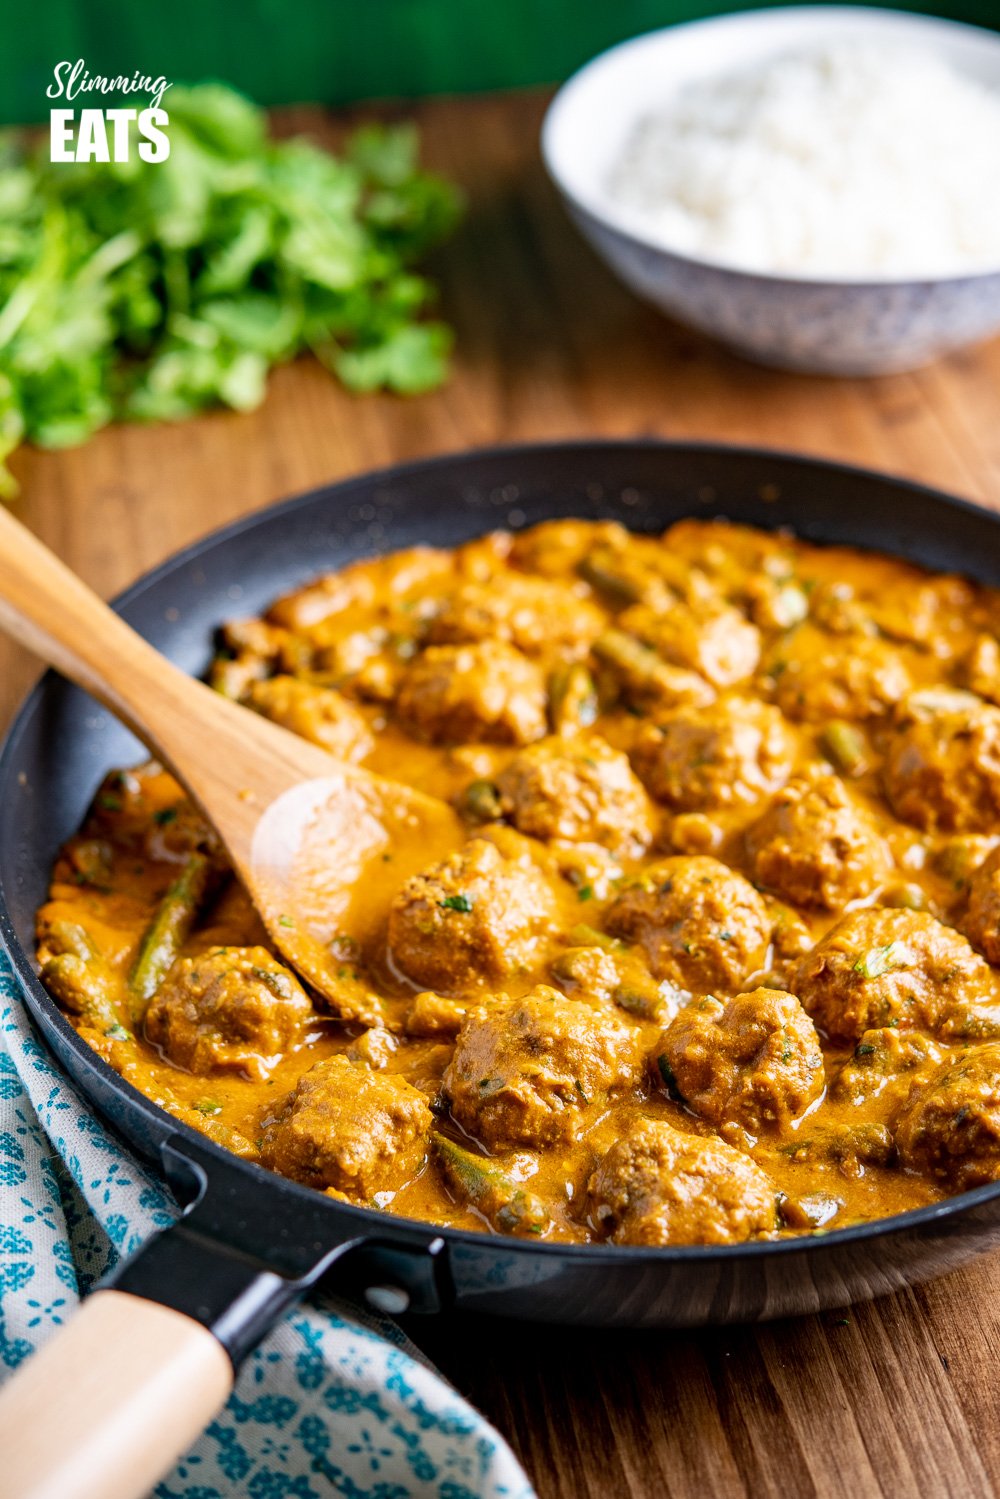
(149, 291)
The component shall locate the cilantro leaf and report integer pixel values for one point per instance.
(463, 903)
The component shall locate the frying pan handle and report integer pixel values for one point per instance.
(103, 1410)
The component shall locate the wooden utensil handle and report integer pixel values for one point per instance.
(51, 611)
(105, 1408)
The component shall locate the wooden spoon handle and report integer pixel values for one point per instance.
(47, 608)
(195, 732)
(105, 1408)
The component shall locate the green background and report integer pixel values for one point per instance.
(282, 51)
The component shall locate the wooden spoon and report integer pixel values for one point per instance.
(304, 832)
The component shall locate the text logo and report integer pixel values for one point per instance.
(106, 134)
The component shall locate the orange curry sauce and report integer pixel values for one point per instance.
(714, 961)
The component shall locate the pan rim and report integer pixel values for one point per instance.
(383, 1222)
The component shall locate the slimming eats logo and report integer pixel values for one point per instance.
(106, 134)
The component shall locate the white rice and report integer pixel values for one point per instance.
(834, 161)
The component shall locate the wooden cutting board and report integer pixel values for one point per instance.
(897, 1398)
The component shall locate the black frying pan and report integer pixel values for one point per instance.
(251, 1242)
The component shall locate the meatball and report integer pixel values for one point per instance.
(349, 1128)
(533, 614)
(728, 754)
(475, 917)
(527, 1071)
(982, 918)
(885, 1062)
(981, 668)
(702, 926)
(957, 860)
(942, 766)
(556, 547)
(489, 692)
(322, 606)
(932, 613)
(230, 1009)
(659, 1186)
(143, 809)
(879, 967)
(815, 846)
(950, 1128)
(316, 713)
(367, 664)
(642, 679)
(708, 637)
(595, 975)
(579, 791)
(755, 1061)
(854, 676)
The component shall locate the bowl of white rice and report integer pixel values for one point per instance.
(818, 187)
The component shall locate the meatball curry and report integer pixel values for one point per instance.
(713, 955)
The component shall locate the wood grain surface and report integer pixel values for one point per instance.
(897, 1398)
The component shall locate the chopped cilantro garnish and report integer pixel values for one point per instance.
(879, 960)
(207, 1106)
(461, 903)
(667, 1073)
(345, 947)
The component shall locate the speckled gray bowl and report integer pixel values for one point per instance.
(838, 327)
